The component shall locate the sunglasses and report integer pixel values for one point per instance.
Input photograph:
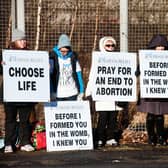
(110, 45)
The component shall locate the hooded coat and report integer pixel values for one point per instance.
(150, 105)
(55, 55)
(102, 105)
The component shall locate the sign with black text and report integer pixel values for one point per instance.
(68, 126)
(113, 76)
(26, 76)
(153, 73)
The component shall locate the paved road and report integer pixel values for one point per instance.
(135, 156)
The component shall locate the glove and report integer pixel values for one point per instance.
(80, 97)
(53, 97)
(137, 72)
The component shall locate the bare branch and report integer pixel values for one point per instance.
(8, 32)
(73, 24)
(96, 27)
(38, 24)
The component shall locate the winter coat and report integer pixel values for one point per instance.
(152, 105)
(54, 75)
(76, 79)
(103, 105)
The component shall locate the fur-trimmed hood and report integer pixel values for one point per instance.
(103, 41)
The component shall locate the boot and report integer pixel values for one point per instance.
(152, 140)
(161, 141)
(160, 130)
(150, 126)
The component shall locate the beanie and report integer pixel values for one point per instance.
(64, 41)
(17, 35)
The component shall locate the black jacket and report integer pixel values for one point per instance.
(54, 77)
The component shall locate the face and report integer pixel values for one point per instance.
(64, 51)
(160, 48)
(20, 44)
(109, 46)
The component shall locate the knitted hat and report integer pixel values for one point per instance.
(103, 41)
(17, 35)
(64, 41)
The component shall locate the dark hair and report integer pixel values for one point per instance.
(68, 47)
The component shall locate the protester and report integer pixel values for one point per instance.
(107, 125)
(65, 72)
(155, 108)
(17, 110)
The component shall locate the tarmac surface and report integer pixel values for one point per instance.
(123, 156)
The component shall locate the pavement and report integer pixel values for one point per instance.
(123, 156)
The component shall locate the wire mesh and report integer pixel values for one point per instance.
(86, 21)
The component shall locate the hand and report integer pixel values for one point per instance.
(3, 63)
(80, 96)
(137, 72)
(53, 97)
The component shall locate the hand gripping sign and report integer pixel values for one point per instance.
(26, 76)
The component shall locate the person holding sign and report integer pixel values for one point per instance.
(155, 108)
(65, 72)
(107, 121)
(22, 109)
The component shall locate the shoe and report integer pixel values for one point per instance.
(112, 142)
(118, 108)
(8, 149)
(151, 143)
(27, 148)
(161, 142)
(152, 140)
(100, 143)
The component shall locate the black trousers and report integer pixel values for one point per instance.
(67, 98)
(155, 125)
(107, 125)
(11, 125)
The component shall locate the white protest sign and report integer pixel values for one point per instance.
(113, 76)
(68, 126)
(153, 73)
(26, 76)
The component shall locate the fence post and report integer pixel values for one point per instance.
(124, 25)
(18, 17)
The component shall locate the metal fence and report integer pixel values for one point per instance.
(86, 21)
